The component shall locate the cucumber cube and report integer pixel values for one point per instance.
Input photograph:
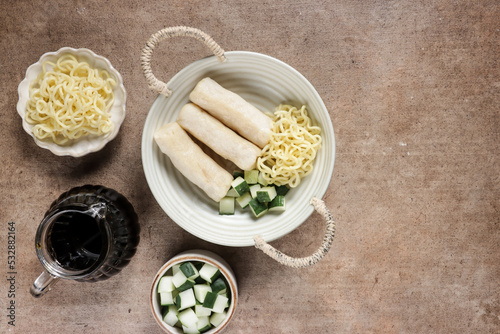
(202, 311)
(282, 190)
(232, 193)
(188, 318)
(226, 206)
(266, 194)
(238, 173)
(244, 199)
(166, 298)
(209, 273)
(258, 208)
(165, 284)
(220, 304)
(219, 286)
(251, 176)
(198, 265)
(210, 300)
(217, 318)
(190, 330)
(176, 268)
(181, 282)
(189, 270)
(185, 299)
(262, 180)
(240, 185)
(277, 204)
(203, 324)
(254, 188)
(217, 303)
(171, 315)
(200, 291)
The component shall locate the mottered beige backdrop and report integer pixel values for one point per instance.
(413, 92)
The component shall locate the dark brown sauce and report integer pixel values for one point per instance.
(76, 241)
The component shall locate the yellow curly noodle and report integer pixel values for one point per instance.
(290, 153)
(70, 100)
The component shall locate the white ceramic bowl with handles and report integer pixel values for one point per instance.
(266, 83)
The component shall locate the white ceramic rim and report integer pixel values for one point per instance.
(195, 255)
(265, 82)
(84, 145)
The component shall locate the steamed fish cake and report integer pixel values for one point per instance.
(232, 110)
(192, 162)
(221, 139)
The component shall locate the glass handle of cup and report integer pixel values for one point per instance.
(43, 284)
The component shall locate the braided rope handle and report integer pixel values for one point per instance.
(269, 250)
(155, 39)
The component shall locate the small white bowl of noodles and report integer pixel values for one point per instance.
(72, 102)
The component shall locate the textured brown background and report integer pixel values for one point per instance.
(412, 88)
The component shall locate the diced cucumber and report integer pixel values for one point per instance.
(227, 296)
(217, 303)
(176, 268)
(198, 266)
(165, 284)
(254, 188)
(217, 318)
(181, 282)
(232, 193)
(200, 290)
(254, 182)
(210, 299)
(240, 185)
(188, 318)
(219, 286)
(209, 273)
(202, 311)
(282, 190)
(166, 298)
(237, 173)
(258, 208)
(244, 199)
(190, 330)
(171, 315)
(266, 194)
(189, 270)
(203, 324)
(185, 299)
(226, 206)
(196, 309)
(251, 176)
(220, 304)
(262, 180)
(277, 204)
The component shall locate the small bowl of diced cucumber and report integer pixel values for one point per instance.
(194, 292)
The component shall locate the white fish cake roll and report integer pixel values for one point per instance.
(221, 139)
(232, 110)
(192, 162)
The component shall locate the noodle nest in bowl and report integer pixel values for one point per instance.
(70, 99)
(106, 118)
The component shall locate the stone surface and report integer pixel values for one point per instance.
(412, 88)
